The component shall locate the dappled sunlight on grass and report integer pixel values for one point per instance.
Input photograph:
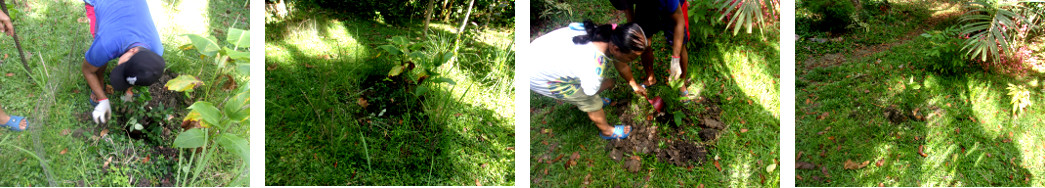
(741, 170)
(748, 71)
(984, 106)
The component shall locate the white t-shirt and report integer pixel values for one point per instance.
(563, 68)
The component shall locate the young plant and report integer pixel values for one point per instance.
(1020, 96)
(214, 123)
(407, 53)
(991, 27)
(946, 50)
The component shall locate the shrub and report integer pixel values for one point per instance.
(945, 50)
(834, 15)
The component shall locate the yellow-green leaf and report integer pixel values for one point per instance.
(183, 83)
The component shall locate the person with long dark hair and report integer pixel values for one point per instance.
(571, 64)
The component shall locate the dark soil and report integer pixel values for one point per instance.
(675, 150)
(388, 106)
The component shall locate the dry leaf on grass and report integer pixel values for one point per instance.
(850, 165)
(921, 148)
(804, 165)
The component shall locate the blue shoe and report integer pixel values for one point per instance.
(13, 123)
(605, 101)
(618, 133)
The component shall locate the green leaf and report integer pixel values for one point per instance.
(398, 69)
(193, 138)
(400, 41)
(243, 68)
(392, 50)
(235, 145)
(417, 55)
(443, 80)
(210, 114)
(420, 91)
(183, 83)
(443, 58)
(239, 56)
(204, 45)
(239, 37)
(236, 108)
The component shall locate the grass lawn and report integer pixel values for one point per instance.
(913, 127)
(326, 118)
(739, 72)
(62, 146)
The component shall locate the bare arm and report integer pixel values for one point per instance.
(680, 31)
(92, 79)
(625, 72)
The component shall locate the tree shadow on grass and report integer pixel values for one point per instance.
(315, 127)
(959, 150)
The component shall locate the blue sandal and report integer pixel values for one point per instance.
(605, 101)
(618, 133)
(13, 123)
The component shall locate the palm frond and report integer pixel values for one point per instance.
(750, 14)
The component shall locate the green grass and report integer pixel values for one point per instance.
(740, 70)
(48, 154)
(971, 138)
(317, 133)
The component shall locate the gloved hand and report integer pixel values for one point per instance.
(102, 112)
(676, 70)
(128, 97)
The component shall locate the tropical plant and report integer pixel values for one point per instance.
(409, 56)
(704, 17)
(991, 28)
(1020, 98)
(945, 50)
(211, 122)
(751, 14)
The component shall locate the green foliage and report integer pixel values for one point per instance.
(549, 10)
(992, 28)
(410, 56)
(833, 15)
(704, 16)
(750, 14)
(945, 51)
(215, 121)
(1020, 98)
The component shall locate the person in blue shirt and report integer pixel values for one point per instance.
(15, 123)
(122, 31)
(654, 16)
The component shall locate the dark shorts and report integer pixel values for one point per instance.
(654, 22)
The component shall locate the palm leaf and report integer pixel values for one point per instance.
(749, 14)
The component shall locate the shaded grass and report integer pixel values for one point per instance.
(739, 70)
(971, 140)
(50, 31)
(317, 64)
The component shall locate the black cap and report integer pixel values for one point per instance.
(143, 69)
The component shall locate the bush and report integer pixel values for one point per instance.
(946, 51)
(391, 11)
(834, 15)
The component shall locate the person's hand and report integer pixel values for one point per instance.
(5, 25)
(128, 97)
(639, 90)
(102, 112)
(676, 70)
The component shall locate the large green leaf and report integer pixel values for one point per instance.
(392, 50)
(398, 69)
(210, 114)
(183, 83)
(400, 41)
(236, 107)
(192, 138)
(205, 45)
(443, 58)
(238, 37)
(443, 80)
(239, 56)
(235, 145)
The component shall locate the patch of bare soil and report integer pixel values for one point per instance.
(675, 150)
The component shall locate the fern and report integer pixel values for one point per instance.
(749, 14)
(991, 27)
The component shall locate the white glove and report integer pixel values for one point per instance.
(127, 97)
(676, 70)
(102, 112)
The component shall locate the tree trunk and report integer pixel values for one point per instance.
(457, 41)
(428, 16)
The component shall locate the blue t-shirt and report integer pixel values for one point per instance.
(120, 26)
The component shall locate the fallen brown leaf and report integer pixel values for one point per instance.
(850, 165)
(718, 166)
(922, 147)
(880, 162)
(362, 102)
(66, 150)
(743, 130)
(823, 115)
(804, 165)
(477, 183)
(10, 74)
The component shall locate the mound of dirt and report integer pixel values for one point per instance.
(645, 139)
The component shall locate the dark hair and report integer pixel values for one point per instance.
(627, 37)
